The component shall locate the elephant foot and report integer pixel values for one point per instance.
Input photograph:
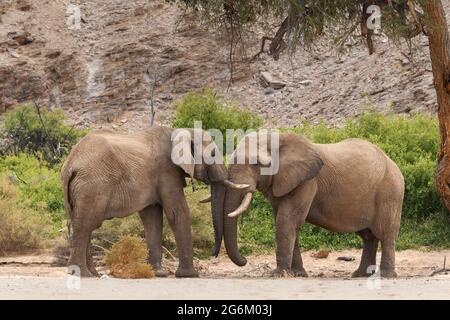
(93, 271)
(388, 273)
(160, 273)
(186, 273)
(300, 272)
(360, 274)
(83, 272)
(280, 273)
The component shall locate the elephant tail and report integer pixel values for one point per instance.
(67, 176)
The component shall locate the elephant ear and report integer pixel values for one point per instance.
(183, 152)
(299, 162)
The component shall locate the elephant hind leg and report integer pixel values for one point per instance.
(387, 225)
(387, 265)
(369, 254)
(83, 225)
(78, 252)
(90, 261)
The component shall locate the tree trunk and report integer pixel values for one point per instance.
(438, 38)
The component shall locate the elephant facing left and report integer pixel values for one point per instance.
(108, 175)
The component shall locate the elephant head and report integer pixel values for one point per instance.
(197, 154)
(292, 159)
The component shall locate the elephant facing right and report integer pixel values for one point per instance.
(350, 186)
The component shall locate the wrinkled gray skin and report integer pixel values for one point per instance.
(111, 175)
(351, 186)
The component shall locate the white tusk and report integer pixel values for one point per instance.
(235, 185)
(244, 206)
(206, 200)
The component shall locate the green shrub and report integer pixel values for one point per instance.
(214, 113)
(23, 131)
(21, 228)
(39, 187)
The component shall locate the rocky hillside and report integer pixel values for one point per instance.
(101, 72)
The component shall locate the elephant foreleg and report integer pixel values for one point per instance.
(177, 213)
(152, 218)
(291, 214)
(285, 239)
(297, 269)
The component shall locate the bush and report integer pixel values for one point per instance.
(39, 187)
(214, 113)
(22, 131)
(20, 227)
(127, 259)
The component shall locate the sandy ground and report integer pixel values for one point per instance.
(40, 276)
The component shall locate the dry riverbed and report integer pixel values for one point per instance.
(41, 276)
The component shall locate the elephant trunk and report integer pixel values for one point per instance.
(230, 229)
(217, 198)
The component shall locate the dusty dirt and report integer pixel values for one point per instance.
(410, 263)
(42, 276)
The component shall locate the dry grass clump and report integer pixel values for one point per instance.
(127, 259)
(20, 228)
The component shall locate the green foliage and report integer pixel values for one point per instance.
(307, 20)
(47, 137)
(21, 228)
(214, 113)
(33, 148)
(39, 187)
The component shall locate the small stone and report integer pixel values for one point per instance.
(269, 80)
(23, 39)
(322, 254)
(346, 258)
(305, 82)
(53, 54)
(268, 91)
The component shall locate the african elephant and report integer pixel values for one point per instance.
(109, 175)
(350, 186)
